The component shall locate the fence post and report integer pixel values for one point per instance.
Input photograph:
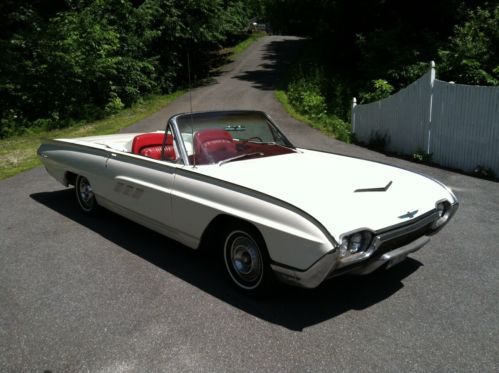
(432, 83)
(354, 104)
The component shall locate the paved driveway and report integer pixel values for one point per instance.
(104, 294)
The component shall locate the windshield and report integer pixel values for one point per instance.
(223, 137)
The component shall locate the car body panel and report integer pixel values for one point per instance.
(324, 185)
(303, 203)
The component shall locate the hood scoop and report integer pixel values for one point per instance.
(378, 189)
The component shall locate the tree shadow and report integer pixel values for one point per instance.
(279, 55)
(290, 307)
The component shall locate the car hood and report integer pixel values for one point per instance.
(343, 193)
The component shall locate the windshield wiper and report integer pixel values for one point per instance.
(241, 156)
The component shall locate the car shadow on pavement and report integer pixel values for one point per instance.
(289, 307)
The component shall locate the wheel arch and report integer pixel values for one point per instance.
(70, 178)
(215, 231)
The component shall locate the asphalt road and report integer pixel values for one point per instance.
(107, 295)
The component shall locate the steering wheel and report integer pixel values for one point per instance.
(254, 138)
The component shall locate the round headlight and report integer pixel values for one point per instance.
(356, 243)
(441, 209)
(344, 247)
(443, 213)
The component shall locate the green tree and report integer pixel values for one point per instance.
(79, 59)
(472, 54)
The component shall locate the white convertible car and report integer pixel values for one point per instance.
(231, 181)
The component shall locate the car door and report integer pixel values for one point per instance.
(140, 189)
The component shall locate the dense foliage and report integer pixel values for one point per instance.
(81, 59)
(67, 60)
(369, 49)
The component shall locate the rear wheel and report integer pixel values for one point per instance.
(85, 195)
(247, 262)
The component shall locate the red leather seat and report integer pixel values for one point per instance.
(150, 144)
(213, 145)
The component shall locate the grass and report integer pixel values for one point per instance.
(18, 154)
(242, 46)
(331, 125)
(282, 97)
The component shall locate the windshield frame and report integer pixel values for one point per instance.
(173, 123)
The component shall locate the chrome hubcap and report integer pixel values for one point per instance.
(246, 259)
(85, 192)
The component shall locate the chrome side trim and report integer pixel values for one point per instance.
(255, 193)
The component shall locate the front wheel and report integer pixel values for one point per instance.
(85, 195)
(247, 261)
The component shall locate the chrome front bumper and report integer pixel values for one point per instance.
(311, 277)
(326, 266)
(389, 247)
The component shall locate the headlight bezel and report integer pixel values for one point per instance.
(351, 250)
(446, 211)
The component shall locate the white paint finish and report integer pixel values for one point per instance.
(142, 187)
(192, 205)
(296, 200)
(121, 142)
(291, 238)
(323, 185)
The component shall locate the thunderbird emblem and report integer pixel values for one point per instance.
(410, 214)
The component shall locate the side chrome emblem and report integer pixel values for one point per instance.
(409, 215)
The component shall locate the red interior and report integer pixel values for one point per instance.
(267, 149)
(150, 144)
(213, 145)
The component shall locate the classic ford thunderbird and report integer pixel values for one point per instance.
(231, 181)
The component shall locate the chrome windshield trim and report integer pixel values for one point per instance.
(183, 151)
(178, 139)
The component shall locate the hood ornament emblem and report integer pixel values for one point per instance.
(409, 215)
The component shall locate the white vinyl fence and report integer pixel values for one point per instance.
(458, 124)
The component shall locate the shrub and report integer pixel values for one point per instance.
(422, 156)
(378, 90)
(304, 92)
(338, 127)
(484, 172)
(114, 105)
